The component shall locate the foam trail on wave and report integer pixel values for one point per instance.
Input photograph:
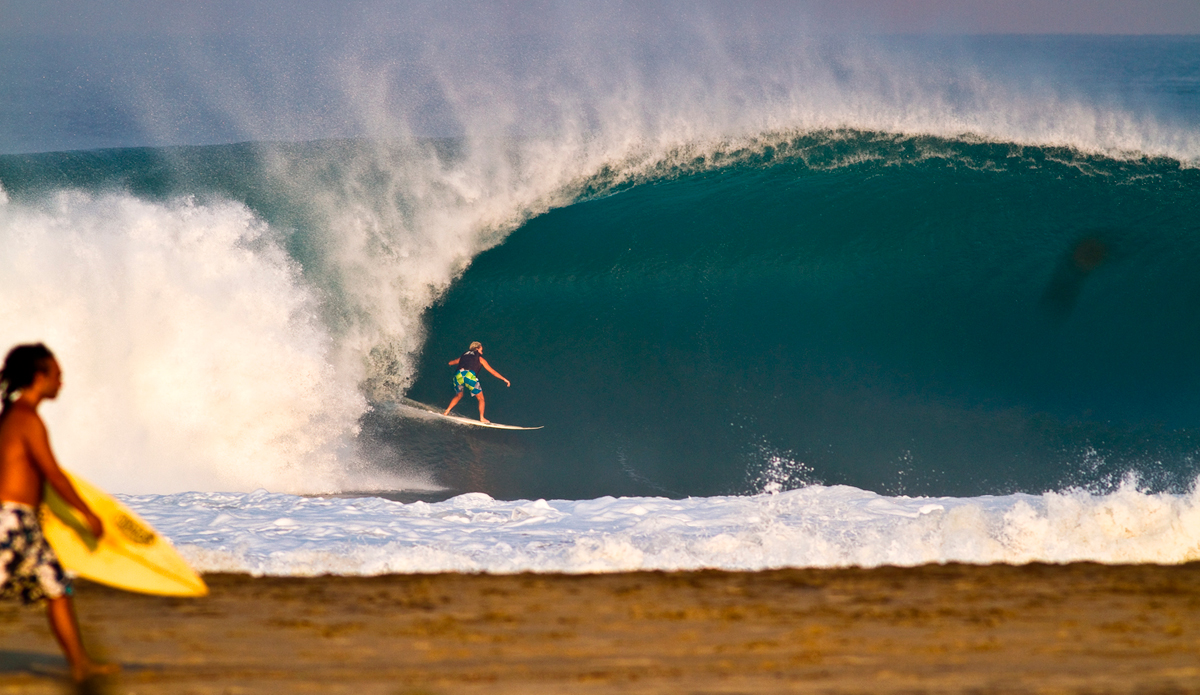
(193, 356)
(811, 527)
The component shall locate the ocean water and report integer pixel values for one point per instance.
(812, 302)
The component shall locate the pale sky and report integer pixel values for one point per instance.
(306, 17)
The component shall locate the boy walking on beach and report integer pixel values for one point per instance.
(467, 377)
(29, 568)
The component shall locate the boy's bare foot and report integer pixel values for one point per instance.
(91, 669)
(484, 420)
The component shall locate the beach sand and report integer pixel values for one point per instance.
(1081, 628)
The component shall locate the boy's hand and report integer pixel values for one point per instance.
(95, 525)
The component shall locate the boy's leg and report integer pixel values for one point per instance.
(479, 397)
(66, 630)
(453, 402)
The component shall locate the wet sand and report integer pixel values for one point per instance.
(1080, 628)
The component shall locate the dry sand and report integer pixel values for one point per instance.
(1080, 628)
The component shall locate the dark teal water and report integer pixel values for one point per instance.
(943, 318)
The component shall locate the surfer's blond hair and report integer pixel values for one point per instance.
(475, 345)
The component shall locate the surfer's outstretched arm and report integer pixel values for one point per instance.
(494, 372)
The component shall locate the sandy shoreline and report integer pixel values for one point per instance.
(956, 628)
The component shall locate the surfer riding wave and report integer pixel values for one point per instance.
(466, 378)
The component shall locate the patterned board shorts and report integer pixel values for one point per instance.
(29, 569)
(467, 379)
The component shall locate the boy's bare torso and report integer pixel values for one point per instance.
(23, 439)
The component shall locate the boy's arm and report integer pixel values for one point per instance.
(454, 361)
(494, 372)
(39, 449)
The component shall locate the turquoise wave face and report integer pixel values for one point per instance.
(900, 314)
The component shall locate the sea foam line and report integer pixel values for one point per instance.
(274, 534)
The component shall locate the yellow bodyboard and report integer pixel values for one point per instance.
(131, 555)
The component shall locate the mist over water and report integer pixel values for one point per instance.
(245, 306)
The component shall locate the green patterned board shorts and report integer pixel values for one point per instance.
(467, 379)
(29, 569)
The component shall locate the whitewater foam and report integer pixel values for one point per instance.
(192, 351)
(273, 534)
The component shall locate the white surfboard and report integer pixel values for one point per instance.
(421, 410)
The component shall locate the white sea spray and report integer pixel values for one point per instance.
(192, 353)
(275, 534)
